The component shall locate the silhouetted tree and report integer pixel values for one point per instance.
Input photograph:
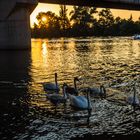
(85, 21)
(105, 21)
(64, 21)
(82, 19)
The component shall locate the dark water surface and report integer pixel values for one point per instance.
(26, 114)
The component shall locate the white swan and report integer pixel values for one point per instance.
(81, 103)
(51, 86)
(73, 90)
(57, 98)
(97, 92)
(133, 99)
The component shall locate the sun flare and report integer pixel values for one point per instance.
(44, 19)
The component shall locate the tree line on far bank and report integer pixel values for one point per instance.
(83, 21)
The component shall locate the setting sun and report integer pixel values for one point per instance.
(44, 19)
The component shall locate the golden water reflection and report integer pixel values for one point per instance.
(99, 60)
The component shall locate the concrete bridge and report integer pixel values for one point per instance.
(116, 4)
(15, 17)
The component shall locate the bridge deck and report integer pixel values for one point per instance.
(115, 4)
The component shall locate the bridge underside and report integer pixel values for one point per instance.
(114, 4)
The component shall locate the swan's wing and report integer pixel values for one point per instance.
(130, 100)
(82, 99)
(79, 102)
(84, 102)
(95, 91)
(55, 98)
(73, 101)
(50, 86)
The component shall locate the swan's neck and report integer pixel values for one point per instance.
(64, 92)
(88, 99)
(56, 80)
(103, 90)
(134, 96)
(89, 104)
(75, 86)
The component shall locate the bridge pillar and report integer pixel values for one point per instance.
(15, 23)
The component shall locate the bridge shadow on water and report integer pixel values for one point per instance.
(14, 78)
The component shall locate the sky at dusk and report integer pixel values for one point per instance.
(55, 8)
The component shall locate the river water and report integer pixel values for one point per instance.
(25, 113)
